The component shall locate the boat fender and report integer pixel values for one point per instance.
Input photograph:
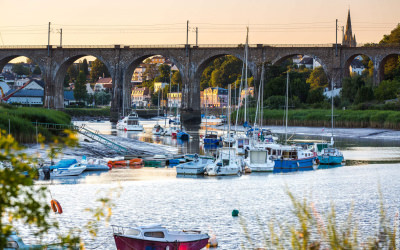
(56, 207)
(212, 242)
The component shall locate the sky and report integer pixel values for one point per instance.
(148, 22)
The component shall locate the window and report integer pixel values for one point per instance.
(154, 234)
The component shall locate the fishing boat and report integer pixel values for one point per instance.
(292, 158)
(157, 237)
(130, 123)
(259, 161)
(195, 167)
(211, 137)
(132, 163)
(158, 130)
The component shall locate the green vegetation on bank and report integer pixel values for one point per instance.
(90, 112)
(322, 118)
(20, 121)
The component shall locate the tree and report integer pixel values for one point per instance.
(317, 79)
(98, 70)
(80, 92)
(350, 87)
(72, 72)
(102, 98)
(387, 89)
(20, 69)
(176, 79)
(85, 67)
(36, 70)
(392, 65)
(164, 71)
(364, 94)
(217, 78)
(315, 96)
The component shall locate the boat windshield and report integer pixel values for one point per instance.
(132, 231)
(154, 234)
(133, 122)
(258, 157)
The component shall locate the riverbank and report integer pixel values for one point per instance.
(381, 119)
(19, 121)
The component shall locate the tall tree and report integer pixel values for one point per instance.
(317, 79)
(36, 70)
(20, 69)
(85, 67)
(73, 72)
(80, 92)
(98, 69)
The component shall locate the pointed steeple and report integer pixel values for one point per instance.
(348, 38)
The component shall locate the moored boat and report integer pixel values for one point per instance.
(258, 161)
(211, 137)
(194, 167)
(182, 135)
(158, 130)
(330, 156)
(227, 163)
(135, 163)
(130, 123)
(157, 237)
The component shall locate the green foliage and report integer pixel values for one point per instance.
(164, 71)
(392, 65)
(80, 92)
(88, 112)
(350, 87)
(317, 79)
(20, 69)
(72, 72)
(98, 70)
(276, 102)
(176, 79)
(36, 70)
(387, 89)
(102, 98)
(85, 67)
(364, 94)
(316, 96)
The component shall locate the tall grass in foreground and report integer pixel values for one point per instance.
(314, 230)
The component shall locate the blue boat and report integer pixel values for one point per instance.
(330, 156)
(182, 135)
(293, 165)
(211, 137)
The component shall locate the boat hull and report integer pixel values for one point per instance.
(96, 167)
(211, 141)
(127, 243)
(285, 166)
(330, 160)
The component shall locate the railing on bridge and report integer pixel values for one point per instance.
(86, 131)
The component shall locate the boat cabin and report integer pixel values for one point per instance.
(258, 156)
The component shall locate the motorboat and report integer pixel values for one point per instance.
(330, 156)
(258, 161)
(67, 167)
(211, 137)
(182, 135)
(292, 158)
(158, 130)
(157, 237)
(132, 163)
(197, 166)
(96, 165)
(227, 163)
(229, 140)
(242, 145)
(171, 131)
(130, 123)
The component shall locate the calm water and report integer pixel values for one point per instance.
(144, 196)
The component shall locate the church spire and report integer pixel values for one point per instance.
(348, 38)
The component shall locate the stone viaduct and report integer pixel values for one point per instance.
(191, 61)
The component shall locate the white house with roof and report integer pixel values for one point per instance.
(357, 67)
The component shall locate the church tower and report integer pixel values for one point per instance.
(348, 39)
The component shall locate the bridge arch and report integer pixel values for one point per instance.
(36, 60)
(132, 64)
(280, 59)
(350, 59)
(394, 57)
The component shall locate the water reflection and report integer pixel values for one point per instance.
(329, 166)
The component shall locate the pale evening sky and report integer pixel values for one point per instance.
(101, 22)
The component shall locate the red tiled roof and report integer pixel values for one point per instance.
(105, 80)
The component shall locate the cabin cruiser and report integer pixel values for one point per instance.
(259, 161)
(197, 166)
(130, 123)
(158, 130)
(227, 163)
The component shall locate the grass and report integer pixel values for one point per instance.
(322, 118)
(314, 230)
(20, 122)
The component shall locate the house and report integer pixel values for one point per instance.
(215, 97)
(157, 60)
(140, 97)
(138, 74)
(35, 84)
(357, 67)
(174, 99)
(159, 85)
(8, 68)
(27, 96)
(307, 62)
(89, 89)
(20, 82)
(250, 92)
(69, 97)
(103, 84)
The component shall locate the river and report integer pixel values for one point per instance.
(146, 196)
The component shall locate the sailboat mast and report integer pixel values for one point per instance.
(229, 120)
(332, 110)
(287, 103)
(262, 97)
(246, 58)
(205, 97)
(239, 100)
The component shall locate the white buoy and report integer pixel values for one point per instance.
(212, 242)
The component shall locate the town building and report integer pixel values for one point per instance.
(250, 92)
(103, 84)
(138, 74)
(349, 39)
(157, 60)
(159, 85)
(69, 97)
(174, 99)
(214, 98)
(27, 96)
(140, 97)
(356, 67)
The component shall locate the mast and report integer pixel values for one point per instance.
(262, 96)
(332, 112)
(246, 55)
(239, 100)
(229, 121)
(205, 97)
(287, 103)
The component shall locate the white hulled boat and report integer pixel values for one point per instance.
(130, 123)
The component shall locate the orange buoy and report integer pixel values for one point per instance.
(56, 207)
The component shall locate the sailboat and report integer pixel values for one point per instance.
(291, 158)
(227, 162)
(331, 155)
